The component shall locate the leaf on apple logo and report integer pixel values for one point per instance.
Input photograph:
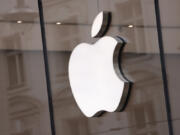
(101, 24)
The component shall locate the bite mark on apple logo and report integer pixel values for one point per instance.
(96, 78)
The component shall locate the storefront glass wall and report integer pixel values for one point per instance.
(36, 97)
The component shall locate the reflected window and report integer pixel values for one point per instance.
(139, 114)
(15, 70)
(75, 126)
(24, 115)
(144, 117)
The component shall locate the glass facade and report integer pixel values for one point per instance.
(23, 100)
(36, 41)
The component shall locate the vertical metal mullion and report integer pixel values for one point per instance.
(48, 83)
(163, 66)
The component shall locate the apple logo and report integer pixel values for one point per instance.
(95, 74)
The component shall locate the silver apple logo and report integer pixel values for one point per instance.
(96, 78)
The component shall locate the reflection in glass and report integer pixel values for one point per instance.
(145, 113)
(23, 99)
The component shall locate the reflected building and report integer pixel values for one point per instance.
(24, 108)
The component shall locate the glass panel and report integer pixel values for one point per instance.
(170, 29)
(23, 99)
(68, 23)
